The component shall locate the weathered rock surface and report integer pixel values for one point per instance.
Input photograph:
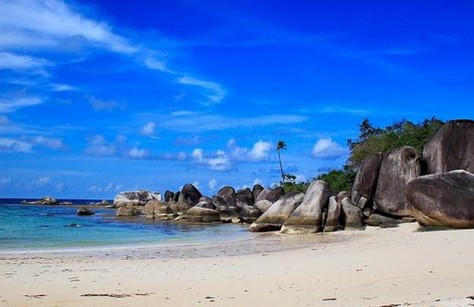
(365, 184)
(263, 205)
(399, 166)
(381, 221)
(169, 196)
(443, 199)
(140, 197)
(271, 194)
(351, 215)
(256, 190)
(152, 208)
(83, 211)
(334, 213)
(206, 202)
(451, 148)
(202, 215)
(274, 217)
(308, 216)
(189, 194)
(179, 207)
(128, 211)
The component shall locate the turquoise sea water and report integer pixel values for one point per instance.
(34, 227)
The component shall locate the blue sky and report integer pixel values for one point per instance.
(99, 97)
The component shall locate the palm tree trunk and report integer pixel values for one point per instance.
(281, 167)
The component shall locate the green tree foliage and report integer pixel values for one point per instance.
(376, 140)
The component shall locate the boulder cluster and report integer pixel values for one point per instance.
(436, 189)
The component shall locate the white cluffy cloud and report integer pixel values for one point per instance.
(260, 151)
(138, 153)
(8, 105)
(326, 148)
(217, 162)
(54, 24)
(148, 129)
(98, 146)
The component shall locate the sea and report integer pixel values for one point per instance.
(43, 227)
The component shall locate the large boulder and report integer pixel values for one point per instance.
(223, 206)
(363, 189)
(274, 217)
(256, 190)
(443, 199)
(202, 215)
(271, 194)
(128, 211)
(263, 205)
(308, 216)
(206, 202)
(152, 208)
(333, 217)
(84, 211)
(451, 148)
(228, 194)
(189, 194)
(351, 215)
(399, 166)
(140, 197)
(169, 196)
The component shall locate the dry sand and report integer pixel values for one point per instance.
(374, 267)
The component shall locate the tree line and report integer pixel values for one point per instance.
(371, 140)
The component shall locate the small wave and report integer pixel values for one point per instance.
(73, 225)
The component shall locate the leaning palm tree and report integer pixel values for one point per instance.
(281, 145)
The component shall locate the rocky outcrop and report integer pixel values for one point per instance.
(139, 198)
(256, 190)
(206, 202)
(169, 196)
(351, 216)
(451, 148)
(202, 215)
(399, 166)
(46, 200)
(274, 217)
(443, 199)
(263, 205)
(333, 216)
(152, 209)
(308, 217)
(83, 211)
(128, 211)
(189, 194)
(363, 189)
(271, 194)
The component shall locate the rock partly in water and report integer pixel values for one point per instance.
(399, 166)
(308, 216)
(202, 215)
(128, 211)
(152, 209)
(46, 200)
(274, 218)
(451, 148)
(83, 211)
(137, 198)
(443, 199)
(363, 189)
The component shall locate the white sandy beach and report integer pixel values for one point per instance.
(374, 267)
